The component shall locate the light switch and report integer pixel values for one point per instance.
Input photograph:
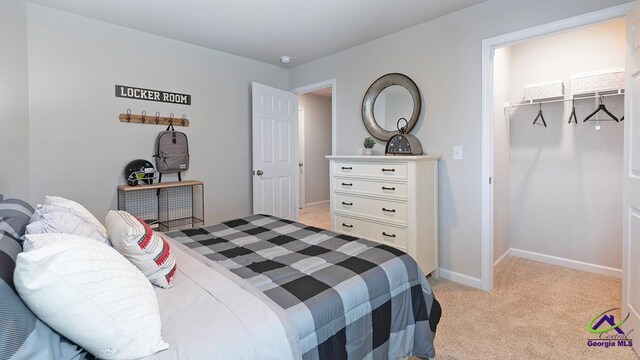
(457, 153)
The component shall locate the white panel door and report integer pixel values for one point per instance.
(275, 131)
(631, 232)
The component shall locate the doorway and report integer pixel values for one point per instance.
(491, 146)
(316, 134)
(557, 184)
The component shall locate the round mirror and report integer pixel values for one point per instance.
(393, 103)
(391, 97)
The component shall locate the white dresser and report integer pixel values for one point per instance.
(389, 199)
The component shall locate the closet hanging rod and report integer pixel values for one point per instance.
(575, 97)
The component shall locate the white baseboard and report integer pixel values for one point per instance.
(460, 278)
(568, 263)
(506, 253)
(316, 203)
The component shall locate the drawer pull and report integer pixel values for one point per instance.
(346, 203)
(347, 184)
(386, 188)
(388, 235)
(347, 168)
(388, 210)
(386, 170)
(347, 225)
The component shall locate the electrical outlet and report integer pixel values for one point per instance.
(457, 153)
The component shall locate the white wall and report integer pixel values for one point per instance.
(443, 57)
(78, 148)
(317, 129)
(566, 186)
(14, 122)
(501, 155)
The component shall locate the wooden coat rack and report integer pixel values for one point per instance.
(156, 119)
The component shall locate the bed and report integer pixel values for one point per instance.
(257, 287)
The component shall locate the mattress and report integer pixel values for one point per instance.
(341, 297)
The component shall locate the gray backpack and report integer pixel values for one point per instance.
(172, 152)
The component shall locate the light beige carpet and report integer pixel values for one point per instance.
(536, 311)
(316, 215)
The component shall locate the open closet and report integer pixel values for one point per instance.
(558, 149)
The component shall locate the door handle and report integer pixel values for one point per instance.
(259, 173)
(300, 164)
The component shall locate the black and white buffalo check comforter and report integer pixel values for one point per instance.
(347, 297)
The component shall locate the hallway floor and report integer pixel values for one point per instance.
(316, 215)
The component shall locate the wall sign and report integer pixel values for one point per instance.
(152, 95)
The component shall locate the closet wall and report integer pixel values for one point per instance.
(501, 156)
(566, 180)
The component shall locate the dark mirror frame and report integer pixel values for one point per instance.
(372, 94)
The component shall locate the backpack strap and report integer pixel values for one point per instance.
(170, 127)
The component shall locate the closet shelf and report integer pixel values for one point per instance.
(564, 99)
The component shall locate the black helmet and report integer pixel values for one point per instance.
(139, 172)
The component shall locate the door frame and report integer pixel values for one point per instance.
(305, 89)
(488, 48)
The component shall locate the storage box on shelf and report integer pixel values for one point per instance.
(389, 199)
(166, 206)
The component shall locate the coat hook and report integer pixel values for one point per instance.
(142, 118)
(171, 119)
(157, 117)
(184, 117)
(128, 115)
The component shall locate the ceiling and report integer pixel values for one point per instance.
(264, 30)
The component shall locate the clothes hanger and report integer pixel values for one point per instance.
(540, 116)
(604, 109)
(573, 116)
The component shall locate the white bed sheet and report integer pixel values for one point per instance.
(206, 315)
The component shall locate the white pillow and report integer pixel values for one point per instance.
(149, 252)
(58, 219)
(92, 295)
(77, 209)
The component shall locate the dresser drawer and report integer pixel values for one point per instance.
(385, 234)
(381, 209)
(390, 170)
(370, 187)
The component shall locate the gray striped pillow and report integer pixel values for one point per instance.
(23, 335)
(14, 216)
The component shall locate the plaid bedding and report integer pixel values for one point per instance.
(347, 297)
